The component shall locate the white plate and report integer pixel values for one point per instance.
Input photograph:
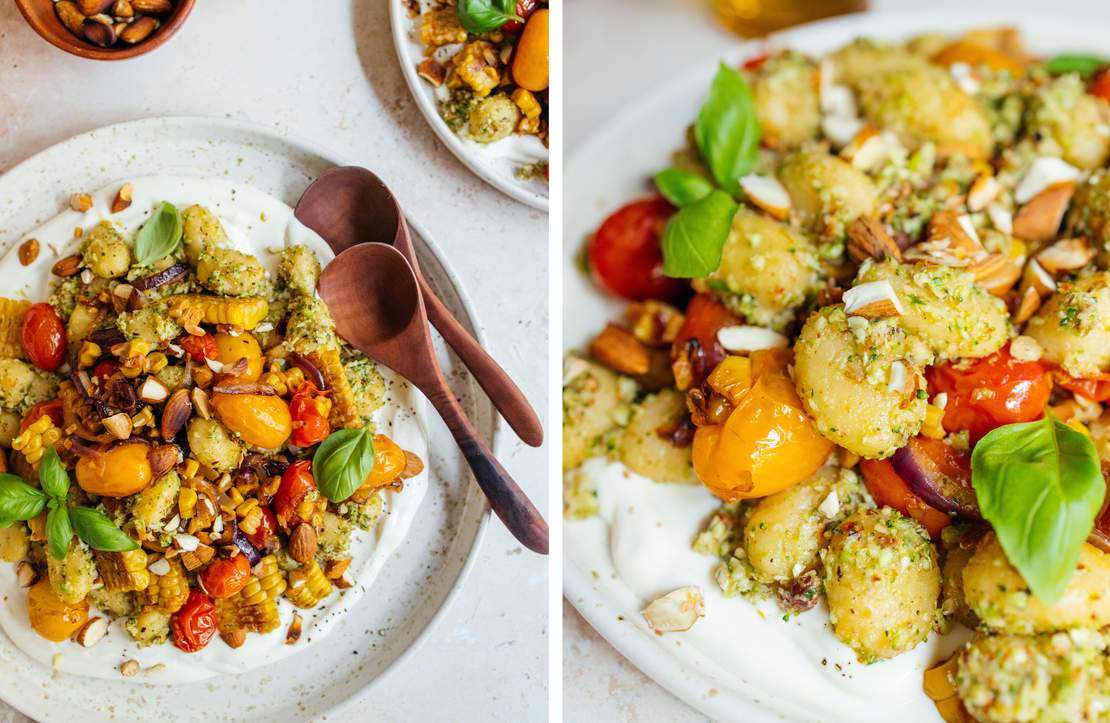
(419, 580)
(487, 165)
(615, 166)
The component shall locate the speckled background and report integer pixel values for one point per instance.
(330, 76)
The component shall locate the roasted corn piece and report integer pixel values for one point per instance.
(12, 312)
(527, 103)
(166, 593)
(251, 609)
(344, 412)
(441, 27)
(123, 571)
(284, 381)
(307, 585)
(246, 312)
(477, 65)
(34, 440)
(270, 577)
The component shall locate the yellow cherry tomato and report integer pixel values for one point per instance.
(389, 462)
(50, 616)
(230, 349)
(766, 444)
(974, 55)
(260, 420)
(530, 63)
(121, 471)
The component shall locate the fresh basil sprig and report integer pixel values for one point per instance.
(342, 462)
(20, 501)
(159, 236)
(727, 129)
(695, 236)
(483, 16)
(1085, 65)
(682, 187)
(1040, 486)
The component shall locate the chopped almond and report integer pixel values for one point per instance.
(983, 190)
(768, 194)
(1028, 304)
(1039, 219)
(996, 273)
(743, 339)
(620, 351)
(676, 611)
(1043, 174)
(868, 239)
(874, 298)
(1069, 254)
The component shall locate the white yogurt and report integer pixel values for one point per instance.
(639, 547)
(261, 225)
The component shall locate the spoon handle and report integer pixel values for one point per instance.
(510, 503)
(502, 391)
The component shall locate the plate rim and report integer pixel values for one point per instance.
(687, 683)
(516, 191)
(497, 436)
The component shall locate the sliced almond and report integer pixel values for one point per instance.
(153, 391)
(1039, 279)
(870, 149)
(1039, 219)
(1069, 254)
(996, 273)
(874, 298)
(123, 198)
(677, 611)
(118, 425)
(840, 120)
(336, 567)
(160, 567)
(620, 351)
(984, 189)
(25, 574)
(741, 339)
(188, 543)
(868, 239)
(1000, 218)
(1042, 174)
(92, 632)
(1027, 305)
(969, 228)
(768, 194)
(432, 71)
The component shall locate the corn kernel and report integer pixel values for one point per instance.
(88, 355)
(156, 362)
(527, 103)
(294, 378)
(932, 426)
(190, 468)
(251, 521)
(323, 406)
(246, 506)
(306, 508)
(187, 503)
(235, 496)
(143, 418)
(731, 378)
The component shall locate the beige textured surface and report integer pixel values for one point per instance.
(330, 75)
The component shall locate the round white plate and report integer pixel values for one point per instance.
(416, 583)
(497, 171)
(615, 166)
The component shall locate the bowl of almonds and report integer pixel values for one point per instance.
(106, 29)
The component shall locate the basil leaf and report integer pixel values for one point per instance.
(483, 16)
(52, 475)
(682, 187)
(342, 462)
(19, 500)
(727, 128)
(695, 236)
(1085, 65)
(59, 533)
(1040, 486)
(99, 532)
(159, 236)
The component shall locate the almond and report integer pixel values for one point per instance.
(92, 632)
(947, 225)
(335, 568)
(69, 266)
(89, 8)
(123, 196)
(996, 273)
(25, 574)
(135, 33)
(153, 391)
(869, 149)
(176, 412)
(163, 458)
(1039, 279)
(413, 465)
(160, 567)
(677, 611)
(874, 298)
(1028, 304)
(71, 16)
(432, 71)
(620, 351)
(122, 9)
(129, 668)
(80, 202)
(302, 543)
(293, 634)
(155, 7)
(233, 638)
(1069, 254)
(743, 339)
(1044, 173)
(1000, 218)
(768, 194)
(868, 239)
(984, 189)
(118, 425)
(1039, 219)
(99, 30)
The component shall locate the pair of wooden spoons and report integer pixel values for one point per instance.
(382, 303)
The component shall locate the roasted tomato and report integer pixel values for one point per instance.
(44, 337)
(1096, 388)
(389, 462)
(199, 348)
(119, 471)
(1100, 85)
(194, 624)
(755, 62)
(226, 576)
(310, 424)
(625, 254)
(524, 8)
(991, 392)
(105, 369)
(50, 616)
(51, 408)
(705, 316)
(261, 420)
(296, 485)
(265, 537)
(889, 489)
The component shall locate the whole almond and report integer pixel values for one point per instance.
(335, 568)
(139, 31)
(69, 266)
(123, 196)
(28, 251)
(99, 30)
(163, 458)
(176, 413)
(71, 16)
(122, 9)
(155, 7)
(89, 8)
(413, 465)
(234, 638)
(302, 543)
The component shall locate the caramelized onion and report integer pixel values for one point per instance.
(161, 278)
(924, 475)
(310, 370)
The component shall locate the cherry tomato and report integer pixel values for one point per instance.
(195, 623)
(625, 254)
(756, 61)
(51, 408)
(889, 489)
(991, 392)
(225, 576)
(105, 369)
(309, 425)
(44, 337)
(705, 316)
(1096, 388)
(199, 348)
(296, 484)
(265, 537)
(1100, 85)
(524, 8)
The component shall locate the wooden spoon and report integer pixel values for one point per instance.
(374, 296)
(350, 205)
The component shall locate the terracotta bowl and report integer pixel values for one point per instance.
(41, 16)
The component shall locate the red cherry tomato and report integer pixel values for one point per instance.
(890, 490)
(51, 408)
(199, 348)
(195, 623)
(1096, 388)
(105, 369)
(309, 425)
(524, 8)
(991, 392)
(625, 254)
(44, 337)
(705, 316)
(265, 537)
(753, 63)
(1100, 85)
(296, 484)
(225, 576)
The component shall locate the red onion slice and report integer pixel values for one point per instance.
(921, 472)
